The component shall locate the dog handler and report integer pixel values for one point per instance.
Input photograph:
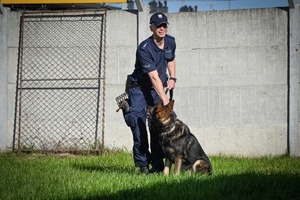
(145, 86)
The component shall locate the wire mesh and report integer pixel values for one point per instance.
(60, 83)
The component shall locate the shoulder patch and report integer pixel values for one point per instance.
(146, 66)
(144, 45)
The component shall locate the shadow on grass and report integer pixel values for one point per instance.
(242, 186)
(109, 168)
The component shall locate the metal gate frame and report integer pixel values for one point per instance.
(34, 127)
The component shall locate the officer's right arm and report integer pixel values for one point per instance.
(158, 86)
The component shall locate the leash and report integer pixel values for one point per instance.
(171, 94)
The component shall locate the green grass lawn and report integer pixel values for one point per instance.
(113, 176)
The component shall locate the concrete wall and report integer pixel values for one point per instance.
(232, 77)
(294, 64)
(3, 77)
(120, 56)
(232, 81)
(9, 43)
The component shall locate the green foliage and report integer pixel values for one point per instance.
(113, 176)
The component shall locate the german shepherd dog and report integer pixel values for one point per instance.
(178, 143)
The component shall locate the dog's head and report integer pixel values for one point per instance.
(161, 115)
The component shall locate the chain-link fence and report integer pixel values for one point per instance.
(61, 80)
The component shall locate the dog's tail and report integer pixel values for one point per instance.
(202, 166)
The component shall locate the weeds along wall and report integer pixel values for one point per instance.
(232, 77)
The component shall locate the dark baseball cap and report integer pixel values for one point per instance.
(158, 19)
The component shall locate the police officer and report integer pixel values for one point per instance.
(154, 56)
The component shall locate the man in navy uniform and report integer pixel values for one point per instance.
(154, 56)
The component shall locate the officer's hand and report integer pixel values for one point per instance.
(171, 84)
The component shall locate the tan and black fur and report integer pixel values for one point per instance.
(178, 143)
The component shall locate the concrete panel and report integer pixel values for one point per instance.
(250, 141)
(121, 28)
(12, 65)
(14, 29)
(121, 43)
(3, 79)
(232, 66)
(117, 133)
(119, 63)
(11, 113)
(248, 109)
(294, 134)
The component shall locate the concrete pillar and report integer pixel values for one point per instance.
(143, 11)
(3, 79)
(143, 23)
(294, 60)
(291, 3)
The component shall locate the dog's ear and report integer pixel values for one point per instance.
(170, 105)
(159, 106)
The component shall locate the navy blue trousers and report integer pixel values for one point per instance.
(135, 118)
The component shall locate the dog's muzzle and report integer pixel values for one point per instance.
(148, 116)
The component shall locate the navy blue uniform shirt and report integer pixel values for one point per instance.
(149, 58)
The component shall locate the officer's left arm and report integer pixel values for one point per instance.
(171, 61)
(172, 74)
